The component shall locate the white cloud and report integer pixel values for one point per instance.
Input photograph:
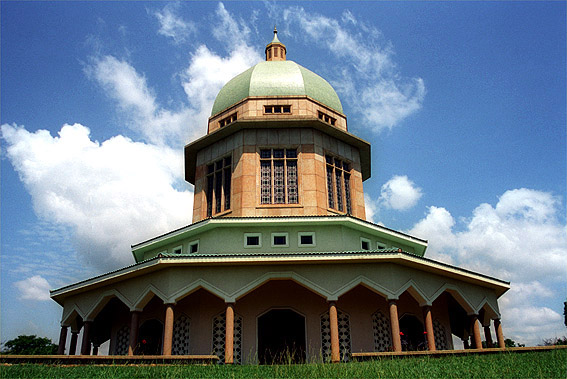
(437, 227)
(525, 319)
(233, 33)
(138, 104)
(209, 72)
(112, 194)
(382, 97)
(121, 192)
(503, 240)
(173, 26)
(33, 288)
(205, 75)
(520, 240)
(371, 207)
(399, 193)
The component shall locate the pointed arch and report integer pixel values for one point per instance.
(457, 295)
(290, 275)
(364, 281)
(103, 299)
(413, 289)
(146, 296)
(196, 285)
(490, 311)
(70, 316)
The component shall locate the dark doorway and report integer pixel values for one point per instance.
(412, 334)
(149, 338)
(281, 337)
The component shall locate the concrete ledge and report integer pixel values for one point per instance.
(439, 353)
(211, 359)
(109, 359)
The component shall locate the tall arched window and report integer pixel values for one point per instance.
(338, 184)
(278, 170)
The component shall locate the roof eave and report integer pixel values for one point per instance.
(160, 262)
(194, 147)
(185, 232)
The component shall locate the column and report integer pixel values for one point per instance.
(86, 345)
(168, 329)
(73, 345)
(488, 335)
(229, 337)
(429, 328)
(395, 326)
(334, 326)
(476, 332)
(62, 340)
(134, 321)
(499, 334)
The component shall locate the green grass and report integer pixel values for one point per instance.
(545, 364)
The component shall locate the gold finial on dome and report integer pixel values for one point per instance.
(275, 50)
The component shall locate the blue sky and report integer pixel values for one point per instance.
(464, 104)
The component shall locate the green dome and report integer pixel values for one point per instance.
(276, 78)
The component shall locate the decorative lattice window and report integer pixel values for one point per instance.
(382, 332)
(344, 336)
(278, 176)
(219, 335)
(330, 187)
(122, 341)
(338, 184)
(180, 344)
(440, 336)
(219, 176)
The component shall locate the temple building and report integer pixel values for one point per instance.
(279, 261)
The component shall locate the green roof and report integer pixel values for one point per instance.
(277, 78)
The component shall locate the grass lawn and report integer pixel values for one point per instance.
(544, 364)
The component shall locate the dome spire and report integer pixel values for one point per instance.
(275, 50)
(275, 36)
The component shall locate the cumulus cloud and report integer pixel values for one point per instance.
(120, 191)
(521, 240)
(33, 288)
(112, 194)
(399, 193)
(173, 26)
(382, 97)
(203, 78)
(138, 104)
(525, 319)
(437, 227)
(371, 206)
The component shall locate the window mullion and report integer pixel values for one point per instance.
(222, 188)
(285, 179)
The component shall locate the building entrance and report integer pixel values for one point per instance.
(412, 334)
(281, 337)
(149, 338)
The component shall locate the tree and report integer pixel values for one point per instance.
(511, 343)
(555, 341)
(30, 345)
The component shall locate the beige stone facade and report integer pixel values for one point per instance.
(300, 107)
(312, 147)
